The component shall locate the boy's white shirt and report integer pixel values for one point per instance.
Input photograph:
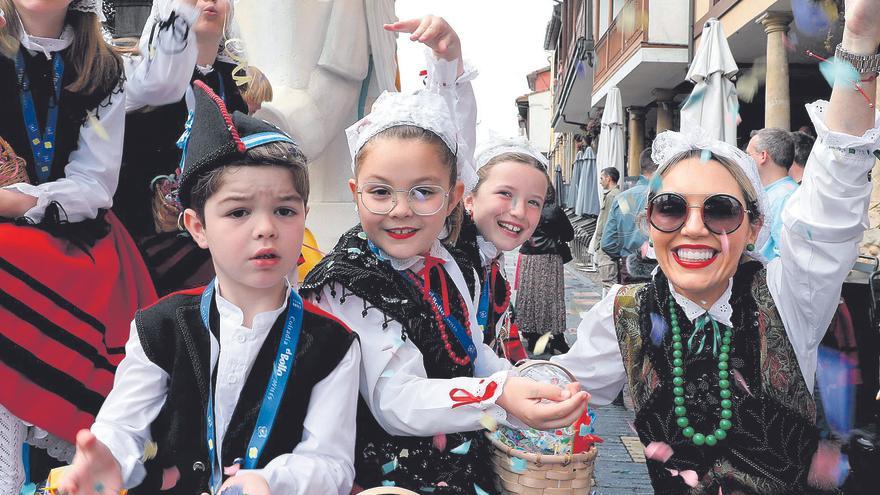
(323, 462)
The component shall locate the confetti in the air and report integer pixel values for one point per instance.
(479, 491)
(389, 466)
(517, 465)
(462, 449)
(541, 344)
(658, 328)
(488, 422)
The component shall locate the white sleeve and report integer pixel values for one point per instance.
(595, 358)
(160, 74)
(823, 224)
(123, 423)
(92, 172)
(457, 91)
(394, 383)
(13, 433)
(323, 462)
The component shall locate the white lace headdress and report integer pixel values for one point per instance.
(424, 109)
(667, 145)
(495, 145)
(93, 6)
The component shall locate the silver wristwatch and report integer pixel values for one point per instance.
(864, 64)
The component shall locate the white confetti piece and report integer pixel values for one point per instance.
(541, 344)
(488, 422)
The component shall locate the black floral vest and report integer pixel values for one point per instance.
(769, 448)
(352, 269)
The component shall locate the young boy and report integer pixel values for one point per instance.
(240, 381)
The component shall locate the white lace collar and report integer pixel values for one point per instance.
(489, 252)
(721, 311)
(46, 46)
(205, 69)
(414, 263)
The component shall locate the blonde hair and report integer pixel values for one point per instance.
(742, 180)
(98, 66)
(259, 89)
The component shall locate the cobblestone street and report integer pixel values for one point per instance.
(620, 466)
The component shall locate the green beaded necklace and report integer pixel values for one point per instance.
(724, 423)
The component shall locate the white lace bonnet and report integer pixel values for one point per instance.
(496, 144)
(424, 109)
(667, 145)
(92, 6)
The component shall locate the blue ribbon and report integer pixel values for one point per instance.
(282, 368)
(42, 140)
(483, 308)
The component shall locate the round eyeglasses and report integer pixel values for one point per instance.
(721, 213)
(424, 199)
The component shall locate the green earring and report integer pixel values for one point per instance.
(651, 242)
(750, 247)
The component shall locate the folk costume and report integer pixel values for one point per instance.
(71, 276)
(192, 369)
(743, 371)
(427, 378)
(151, 155)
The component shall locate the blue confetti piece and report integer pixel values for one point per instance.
(658, 328)
(387, 483)
(99, 487)
(427, 489)
(233, 490)
(581, 70)
(28, 489)
(479, 490)
(387, 374)
(517, 465)
(656, 183)
(836, 71)
(705, 156)
(809, 17)
(462, 449)
(389, 466)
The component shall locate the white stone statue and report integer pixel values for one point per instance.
(327, 61)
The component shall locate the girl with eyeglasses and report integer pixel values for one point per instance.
(428, 383)
(720, 350)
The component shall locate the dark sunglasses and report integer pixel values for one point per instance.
(721, 213)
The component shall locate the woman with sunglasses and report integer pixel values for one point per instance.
(720, 350)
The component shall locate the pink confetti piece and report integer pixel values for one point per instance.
(658, 451)
(439, 442)
(741, 382)
(725, 244)
(690, 477)
(231, 470)
(170, 477)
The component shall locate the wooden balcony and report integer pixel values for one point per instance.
(624, 36)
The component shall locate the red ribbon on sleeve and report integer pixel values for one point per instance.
(462, 397)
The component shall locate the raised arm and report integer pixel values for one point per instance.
(825, 218)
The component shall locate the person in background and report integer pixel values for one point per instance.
(541, 298)
(622, 237)
(803, 145)
(608, 179)
(773, 151)
(259, 89)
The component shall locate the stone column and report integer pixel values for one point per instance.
(664, 109)
(777, 109)
(636, 136)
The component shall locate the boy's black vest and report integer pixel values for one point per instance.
(352, 269)
(174, 338)
(72, 110)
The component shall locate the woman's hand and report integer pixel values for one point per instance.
(14, 204)
(432, 31)
(94, 470)
(861, 32)
(543, 406)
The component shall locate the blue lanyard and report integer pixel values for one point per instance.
(42, 143)
(284, 360)
(453, 324)
(483, 308)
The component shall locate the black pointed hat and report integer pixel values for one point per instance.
(214, 138)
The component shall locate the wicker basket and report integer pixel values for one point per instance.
(13, 168)
(569, 474)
